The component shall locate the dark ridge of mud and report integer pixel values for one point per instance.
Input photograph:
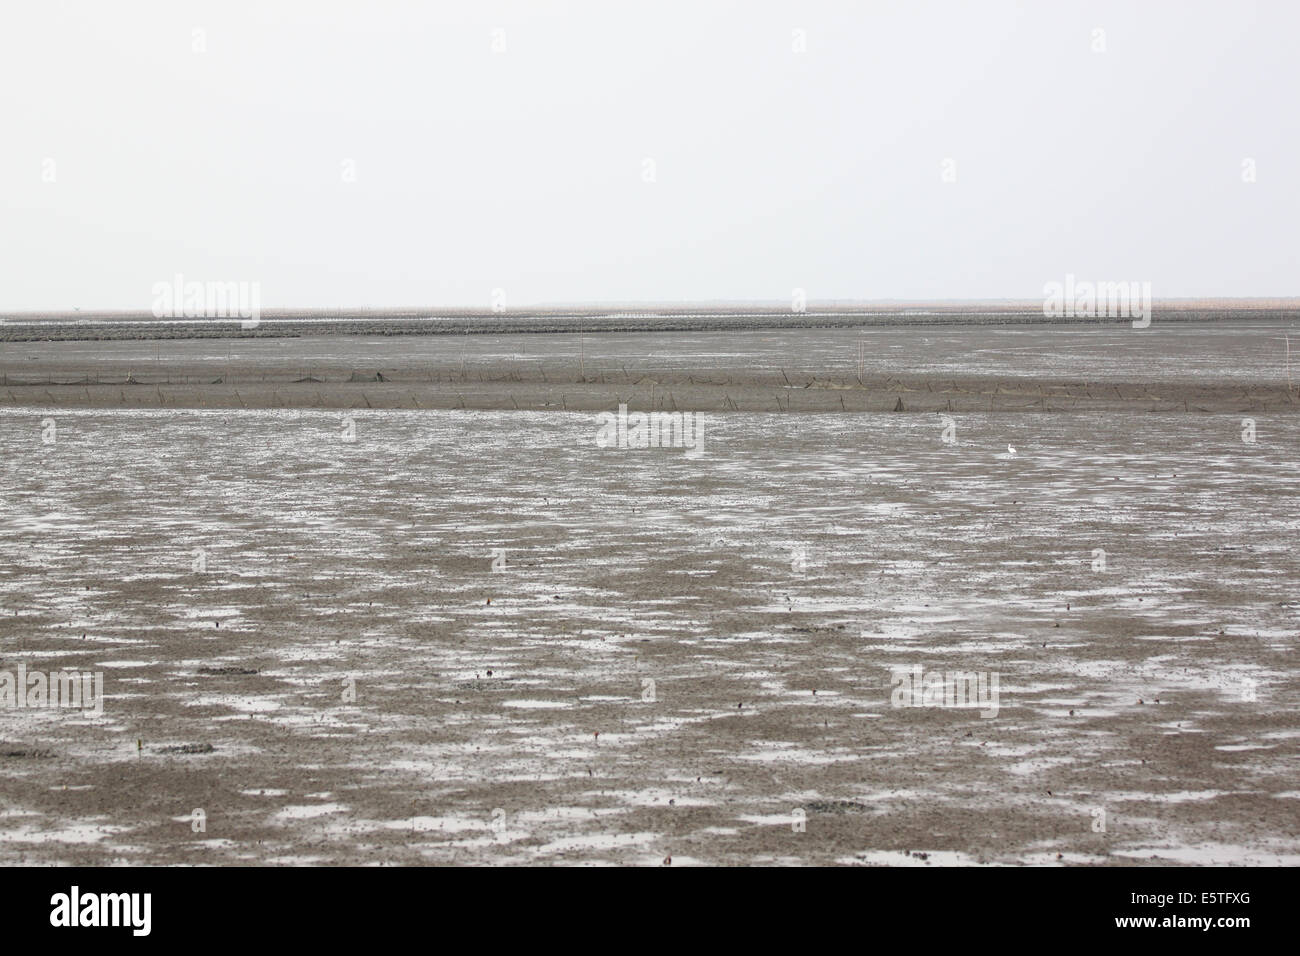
(836, 806)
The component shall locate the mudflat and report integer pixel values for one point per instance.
(365, 613)
(1189, 367)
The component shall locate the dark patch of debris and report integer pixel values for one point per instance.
(480, 684)
(21, 753)
(836, 806)
(187, 749)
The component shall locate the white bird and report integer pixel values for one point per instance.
(1010, 450)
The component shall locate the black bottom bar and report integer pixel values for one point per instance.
(332, 906)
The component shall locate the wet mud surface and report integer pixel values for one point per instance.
(309, 657)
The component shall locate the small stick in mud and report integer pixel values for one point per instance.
(1289, 387)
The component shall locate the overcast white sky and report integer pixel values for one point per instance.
(524, 170)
